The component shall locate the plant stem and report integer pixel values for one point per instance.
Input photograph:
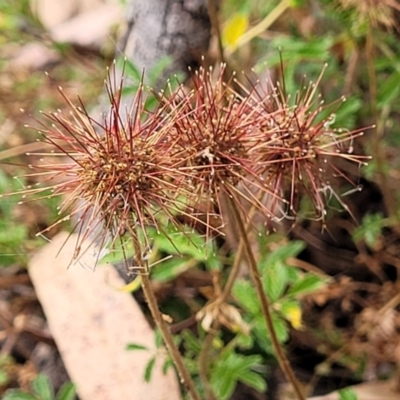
(204, 361)
(265, 305)
(176, 356)
(213, 14)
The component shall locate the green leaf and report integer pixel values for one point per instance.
(159, 68)
(230, 369)
(275, 279)
(191, 342)
(307, 284)
(167, 365)
(347, 394)
(388, 91)
(135, 346)
(245, 341)
(282, 253)
(170, 269)
(158, 339)
(149, 369)
(18, 395)
(254, 380)
(371, 229)
(281, 328)
(262, 335)
(346, 114)
(176, 242)
(246, 295)
(131, 70)
(223, 382)
(185, 243)
(225, 386)
(42, 387)
(121, 251)
(66, 392)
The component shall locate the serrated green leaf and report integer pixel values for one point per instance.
(135, 346)
(149, 369)
(254, 380)
(222, 381)
(66, 392)
(389, 90)
(282, 253)
(121, 251)
(244, 362)
(224, 387)
(275, 279)
(187, 243)
(246, 295)
(170, 269)
(191, 342)
(18, 395)
(371, 229)
(245, 341)
(42, 387)
(181, 244)
(263, 336)
(309, 283)
(281, 328)
(230, 369)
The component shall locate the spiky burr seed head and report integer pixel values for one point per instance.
(373, 12)
(115, 176)
(298, 148)
(213, 132)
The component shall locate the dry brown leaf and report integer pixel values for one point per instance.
(92, 323)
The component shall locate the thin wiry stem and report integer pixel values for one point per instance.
(176, 356)
(204, 360)
(265, 305)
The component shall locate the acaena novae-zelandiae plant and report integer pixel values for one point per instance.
(205, 154)
(300, 152)
(250, 148)
(116, 178)
(216, 136)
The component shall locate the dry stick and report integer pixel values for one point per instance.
(280, 355)
(176, 356)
